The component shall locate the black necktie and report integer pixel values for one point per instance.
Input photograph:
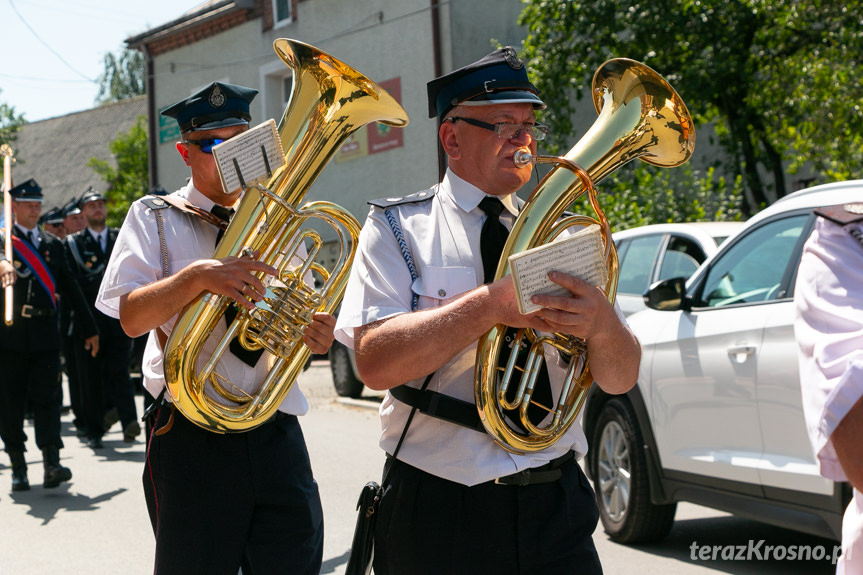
(248, 357)
(31, 238)
(224, 214)
(492, 238)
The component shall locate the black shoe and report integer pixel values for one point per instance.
(131, 431)
(20, 482)
(95, 443)
(55, 474)
(112, 416)
(19, 471)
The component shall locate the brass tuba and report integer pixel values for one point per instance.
(640, 116)
(329, 101)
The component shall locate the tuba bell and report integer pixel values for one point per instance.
(640, 116)
(329, 101)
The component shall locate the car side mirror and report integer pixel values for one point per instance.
(666, 295)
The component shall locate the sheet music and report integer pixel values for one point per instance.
(245, 158)
(580, 255)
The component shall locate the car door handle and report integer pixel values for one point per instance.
(739, 353)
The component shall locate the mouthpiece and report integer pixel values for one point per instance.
(523, 158)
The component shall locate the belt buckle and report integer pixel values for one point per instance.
(523, 479)
(26, 310)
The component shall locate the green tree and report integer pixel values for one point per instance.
(124, 77)
(10, 124)
(778, 79)
(649, 195)
(129, 180)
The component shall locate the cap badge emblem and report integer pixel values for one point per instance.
(855, 208)
(217, 97)
(512, 58)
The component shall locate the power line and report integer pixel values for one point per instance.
(41, 41)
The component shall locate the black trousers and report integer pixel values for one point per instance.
(105, 381)
(72, 374)
(33, 376)
(219, 502)
(428, 525)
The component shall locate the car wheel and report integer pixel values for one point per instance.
(344, 380)
(621, 479)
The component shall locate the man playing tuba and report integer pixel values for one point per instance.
(217, 502)
(455, 501)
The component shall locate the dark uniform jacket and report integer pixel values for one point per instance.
(88, 263)
(35, 323)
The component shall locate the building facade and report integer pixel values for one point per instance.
(399, 44)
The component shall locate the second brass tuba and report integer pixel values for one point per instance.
(640, 116)
(329, 102)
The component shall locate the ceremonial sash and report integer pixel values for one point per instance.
(34, 261)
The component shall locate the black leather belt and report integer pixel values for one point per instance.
(27, 311)
(547, 473)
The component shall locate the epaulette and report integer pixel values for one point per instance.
(155, 202)
(411, 199)
(842, 214)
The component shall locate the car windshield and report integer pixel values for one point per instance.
(752, 270)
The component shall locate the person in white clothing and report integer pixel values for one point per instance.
(419, 297)
(217, 502)
(829, 330)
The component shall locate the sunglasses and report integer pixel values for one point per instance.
(206, 145)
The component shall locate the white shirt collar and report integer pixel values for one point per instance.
(24, 230)
(196, 198)
(467, 196)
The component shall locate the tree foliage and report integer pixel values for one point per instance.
(649, 195)
(10, 124)
(779, 80)
(124, 77)
(129, 180)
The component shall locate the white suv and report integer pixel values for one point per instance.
(656, 252)
(716, 418)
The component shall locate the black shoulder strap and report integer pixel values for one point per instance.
(441, 406)
(410, 199)
(155, 202)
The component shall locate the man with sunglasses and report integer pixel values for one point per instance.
(421, 293)
(217, 502)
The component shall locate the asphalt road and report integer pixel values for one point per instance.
(98, 523)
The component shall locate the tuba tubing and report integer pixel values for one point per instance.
(329, 102)
(640, 116)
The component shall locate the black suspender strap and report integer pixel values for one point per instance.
(441, 406)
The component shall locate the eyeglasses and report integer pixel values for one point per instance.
(507, 131)
(206, 145)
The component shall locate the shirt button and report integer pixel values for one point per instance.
(441, 292)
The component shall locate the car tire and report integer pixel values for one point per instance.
(344, 380)
(621, 479)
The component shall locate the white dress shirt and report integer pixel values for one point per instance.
(829, 332)
(136, 261)
(443, 237)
